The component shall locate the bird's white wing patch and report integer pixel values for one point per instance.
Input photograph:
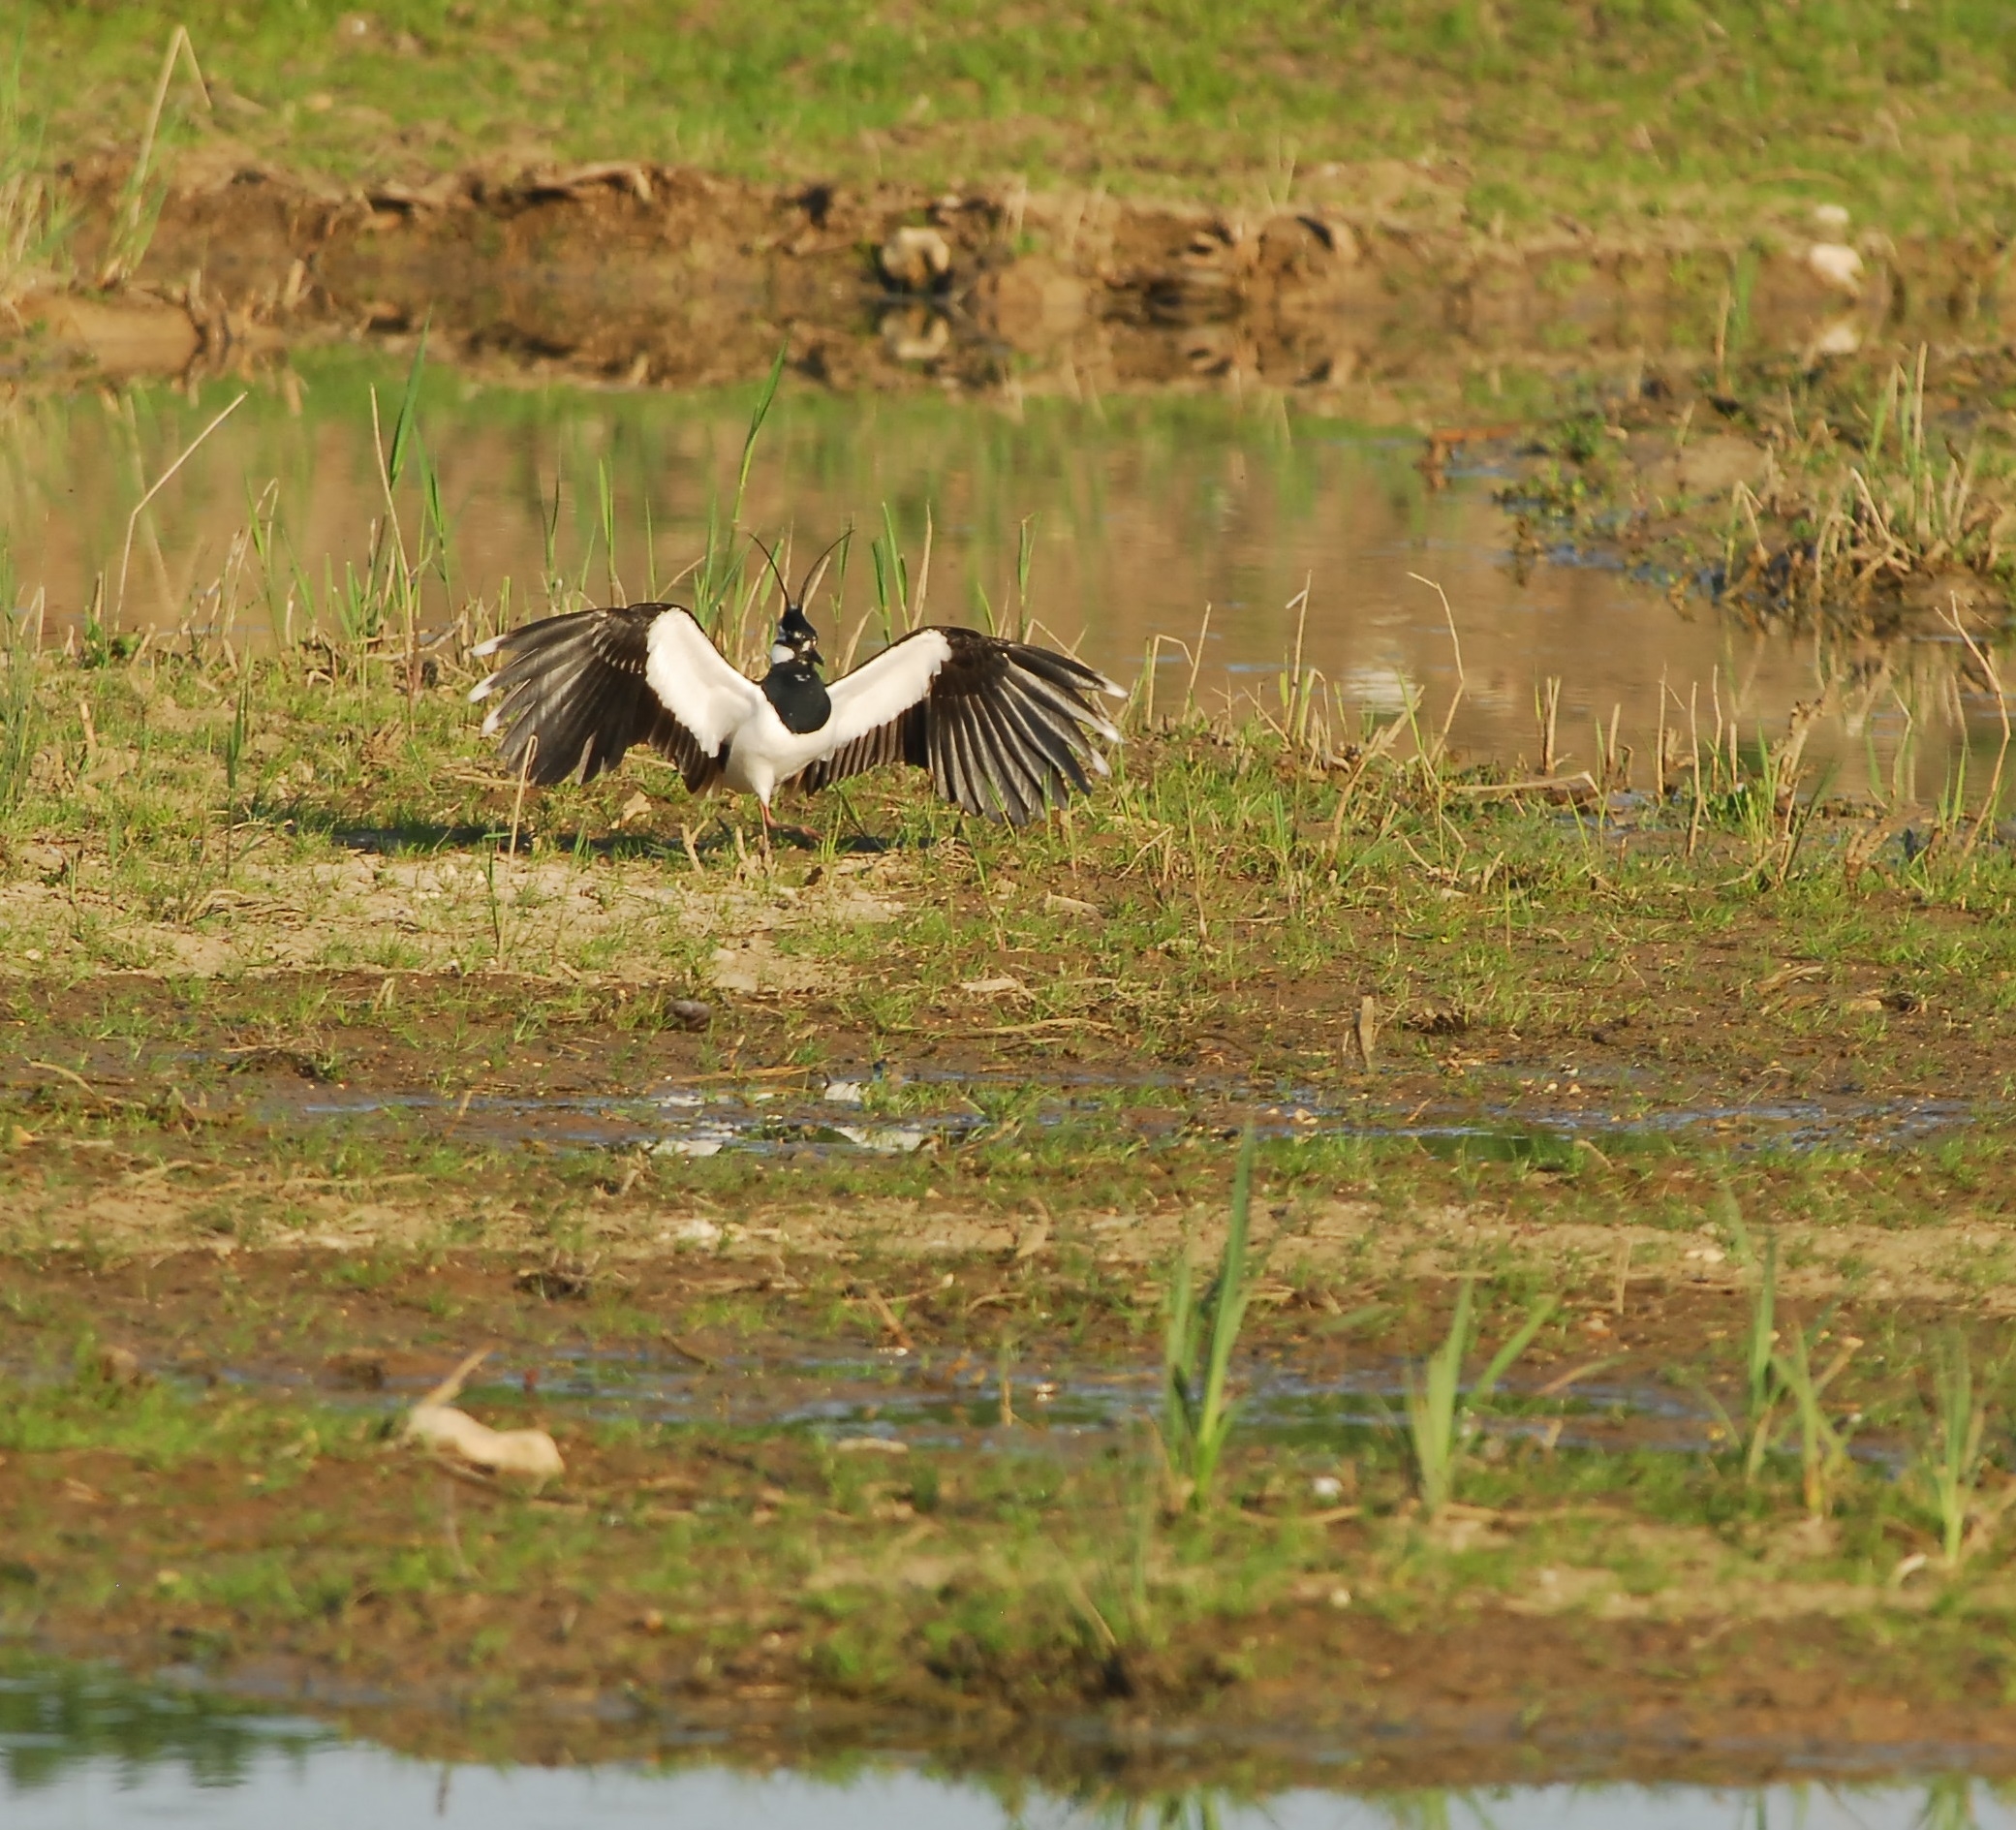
(883, 688)
(695, 683)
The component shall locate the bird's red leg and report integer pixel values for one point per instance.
(763, 807)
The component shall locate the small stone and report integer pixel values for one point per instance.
(916, 333)
(118, 1366)
(915, 259)
(359, 1367)
(46, 861)
(1837, 264)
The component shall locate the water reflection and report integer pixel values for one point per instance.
(87, 1750)
(1140, 513)
(342, 1786)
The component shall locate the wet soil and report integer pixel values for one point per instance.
(930, 1357)
(281, 1203)
(364, 1109)
(643, 274)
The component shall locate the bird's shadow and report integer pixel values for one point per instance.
(409, 837)
(714, 838)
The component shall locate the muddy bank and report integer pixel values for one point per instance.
(1511, 1702)
(648, 275)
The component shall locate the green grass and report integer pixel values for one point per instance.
(1198, 1341)
(1442, 1415)
(1494, 116)
(1949, 1465)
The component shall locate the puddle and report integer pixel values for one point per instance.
(892, 1397)
(677, 1122)
(1140, 511)
(863, 1399)
(855, 1117)
(80, 1751)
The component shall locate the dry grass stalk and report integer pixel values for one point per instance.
(160, 483)
(1991, 801)
(130, 239)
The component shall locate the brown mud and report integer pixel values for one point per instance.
(636, 274)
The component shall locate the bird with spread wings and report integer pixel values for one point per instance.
(1005, 727)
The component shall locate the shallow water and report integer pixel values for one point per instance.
(853, 1117)
(1140, 513)
(1051, 1400)
(82, 1752)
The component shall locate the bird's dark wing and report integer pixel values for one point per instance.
(1004, 728)
(576, 691)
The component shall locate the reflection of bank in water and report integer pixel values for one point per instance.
(1139, 512)
(79, 1746)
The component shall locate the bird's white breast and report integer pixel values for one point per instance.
(762, 752)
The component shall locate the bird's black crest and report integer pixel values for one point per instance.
(793, 625)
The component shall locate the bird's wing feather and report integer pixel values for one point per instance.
(574, 692)
(882, 689)
(1004, 728)
(695, 683)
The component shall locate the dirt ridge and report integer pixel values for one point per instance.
(639, 273)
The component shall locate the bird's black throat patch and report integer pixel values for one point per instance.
(798, 696)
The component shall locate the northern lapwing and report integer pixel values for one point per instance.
(1005, 727)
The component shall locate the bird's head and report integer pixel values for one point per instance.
(796, 640)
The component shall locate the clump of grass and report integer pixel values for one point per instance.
(139, 205)
(1775, 1376)
(1946, 1473)
(35, 219)
(1760, 1383)
(1197, 1343)
(20, 722)
(1868, 509)
(1823, 1450)
(1442, 1420)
